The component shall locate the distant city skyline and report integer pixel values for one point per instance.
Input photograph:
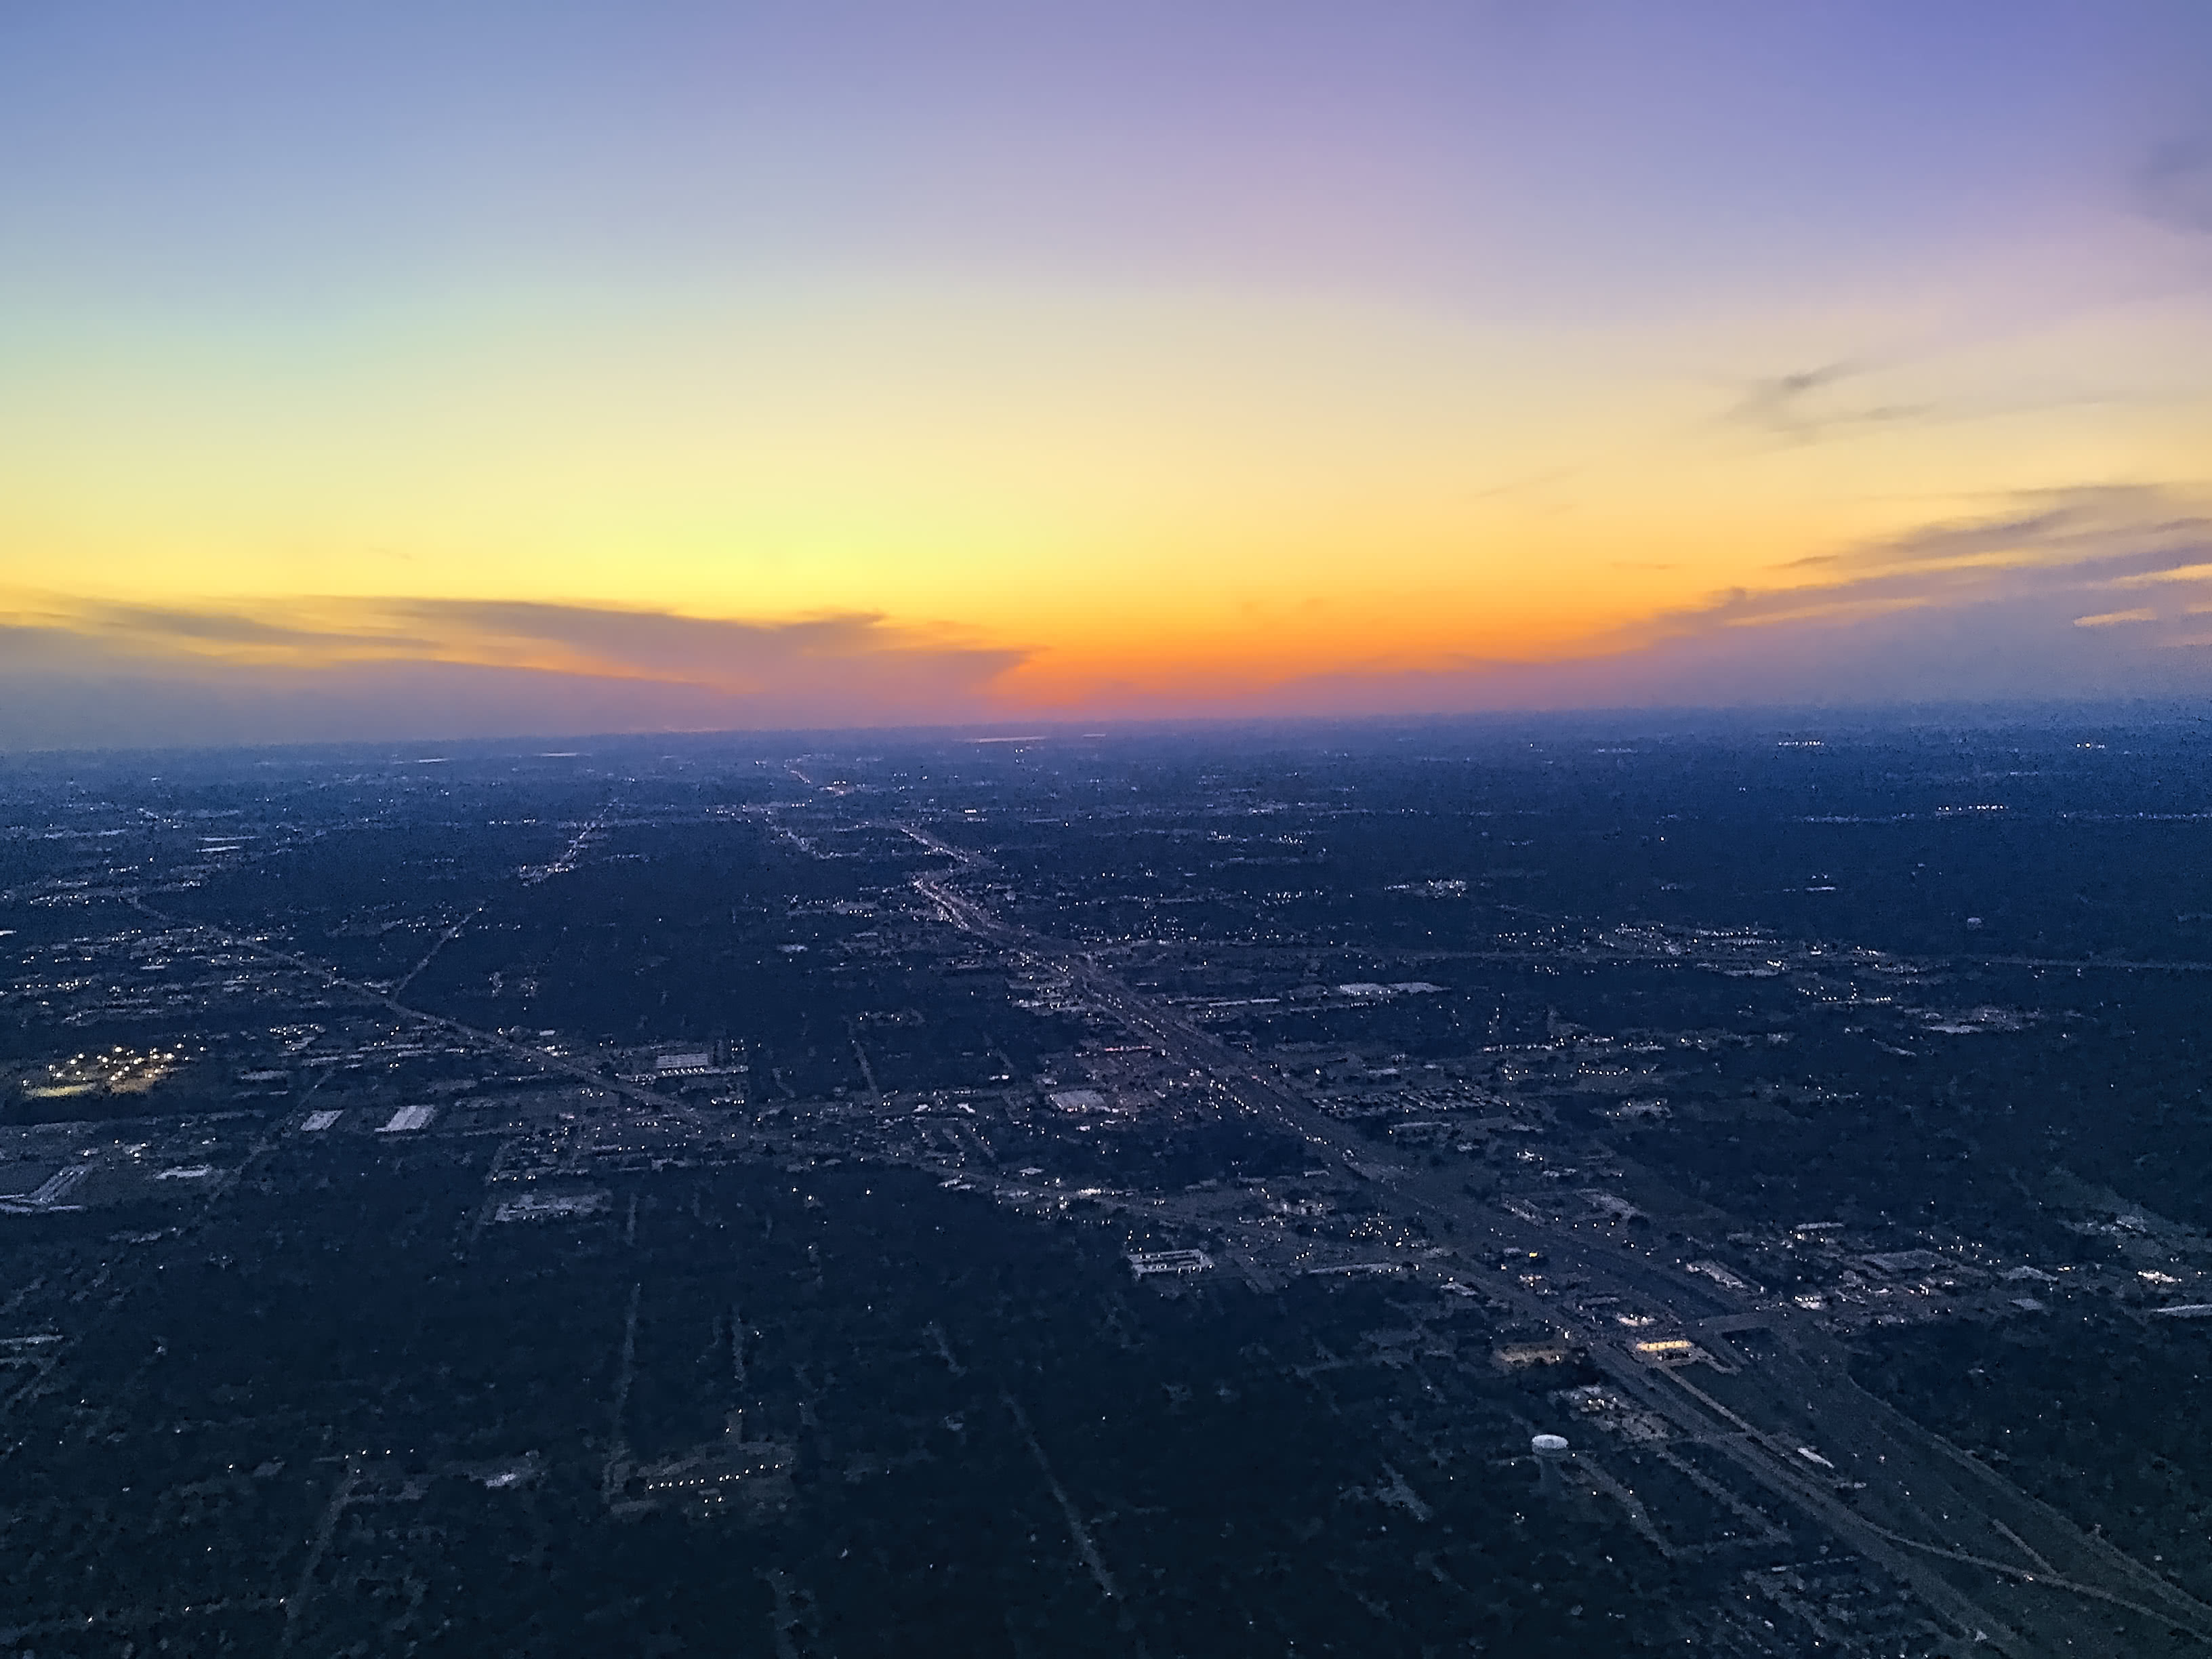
(376, 371)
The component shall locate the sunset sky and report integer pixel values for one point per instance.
(402, 369)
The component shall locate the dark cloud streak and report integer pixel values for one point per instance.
(1790, 406)
(2026, 602)
(100, 675)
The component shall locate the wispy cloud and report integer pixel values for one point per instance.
(96, 671)
(2091, 525)
(1988, 599)
(2093, 591)
(1801, 407)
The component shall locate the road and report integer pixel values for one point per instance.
(2001, 1569)
(332, 980)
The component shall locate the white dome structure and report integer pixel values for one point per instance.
(1548, 1449)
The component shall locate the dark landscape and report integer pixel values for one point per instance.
(906, 1193)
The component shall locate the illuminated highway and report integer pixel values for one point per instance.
(2001, 1569)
